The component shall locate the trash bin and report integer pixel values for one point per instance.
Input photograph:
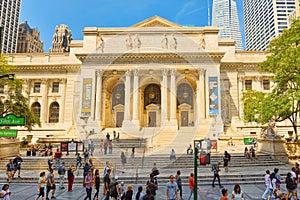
(28, 153)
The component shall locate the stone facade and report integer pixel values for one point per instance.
(153, 76)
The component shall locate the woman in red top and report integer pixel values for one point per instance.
(191, 183)
(224, 194)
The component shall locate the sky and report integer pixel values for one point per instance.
(77, 15)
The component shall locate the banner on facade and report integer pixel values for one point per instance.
(86, 97)
(213, 95)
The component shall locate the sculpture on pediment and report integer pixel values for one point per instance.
(202, 43)
(128, 42)
(173, 43)
(100, 44)
(137, 42)
(164, 42)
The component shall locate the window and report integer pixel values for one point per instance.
(248, 84)
(37, 87)
(55, 87)
(54, 113)
(266, 84)
(36, 109)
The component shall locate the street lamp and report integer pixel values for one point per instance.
(8, 76)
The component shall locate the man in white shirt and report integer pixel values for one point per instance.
(267, 183)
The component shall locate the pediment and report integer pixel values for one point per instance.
(156, 21)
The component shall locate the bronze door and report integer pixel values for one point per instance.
(152, 119)
(184, 118)
(119, 119)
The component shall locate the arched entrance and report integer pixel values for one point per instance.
(152, 102)
(185, 104)
(118, 98)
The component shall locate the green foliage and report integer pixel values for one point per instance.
(284, 100)
(12, 100)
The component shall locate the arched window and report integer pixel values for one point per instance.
(54, 113)
(152, 95)
(36, 109)
(118, 96)
(184, 94)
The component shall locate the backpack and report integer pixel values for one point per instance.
(112, 190)
(61, 170)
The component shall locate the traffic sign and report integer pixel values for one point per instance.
(8, 133)
(12, 120)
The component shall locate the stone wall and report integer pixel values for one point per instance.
(9, 147)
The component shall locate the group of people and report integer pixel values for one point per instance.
(274, 180)
(237, 193)
(13, 166)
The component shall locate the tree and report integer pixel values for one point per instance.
(11, 100)
(283, 102)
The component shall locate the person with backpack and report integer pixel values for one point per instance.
(291, 186)
(274, 185)
(122, 191)
(17, 163)
(86, 155)
(9, 170)
(216, 169)
(114, 189)
(50, 184)
(78, 163)
(152, 185)
(226, 159)
(57, 156)
(41, 186)
(107, 181)
(61, 172)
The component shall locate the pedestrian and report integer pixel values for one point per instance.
(226, 159)
(273, 185)
(216, 169)
(237, 193)
(71, 170)
(108, 136)
(107, 181)
(224, 194)
(114, 189)
(172, 189)
(5, 193)
(246, 153)
(9, 170)
(110, 146)
(91, 165)
(172, 155)
(97, 184)
(115, 134)
(41, 186)
(267, 185)
(78, 163)
(88, 184)
(105, 146)
(129, 193)
(118, 136)
(179, 183)
(152, 185)
(230, 143)
(86, 170)
(123, 161)
(191, 185)
(101, 146)
(291, 186)
(154, 170)
(278, 177)
(61, 172)
(139, 194)
(92, 148)
(86, 155)
(50, 184)
(252, 152)
(132, 155)
(122, 191)
(148, 195)
(50, 162)
(17, 165)
(57, 156)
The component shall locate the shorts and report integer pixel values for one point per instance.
(10, 173)
(41, 193)
(50, 188)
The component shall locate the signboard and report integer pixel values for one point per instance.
(12, 120)
(248, 141)
(213, 95)
(8, 133)
(86, 97)
(71, 146)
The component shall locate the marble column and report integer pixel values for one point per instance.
(127, 96)
(44, 104)
(135, 107)
(173, 94)
(240, 91)
(99, 74)
(164, 103)
(62, 91)
(200, 96)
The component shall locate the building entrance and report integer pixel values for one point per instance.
(152, 119)
(119, 119)
(184, 118)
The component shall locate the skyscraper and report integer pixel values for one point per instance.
(29, 39)
(9, 23)
(225, 17)
(264, 20)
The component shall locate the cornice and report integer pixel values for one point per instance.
(131, 58)
(238, 66)
(46, 67)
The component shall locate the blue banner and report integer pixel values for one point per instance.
(213, 95)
